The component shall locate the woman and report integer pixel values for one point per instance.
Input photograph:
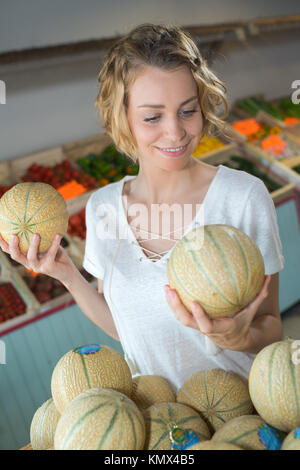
(157, 97)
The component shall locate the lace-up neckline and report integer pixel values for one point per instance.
(163, 255)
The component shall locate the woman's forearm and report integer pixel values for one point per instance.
(91, 303)
(266, 329)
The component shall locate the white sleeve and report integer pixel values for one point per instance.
(260, 223)
(92, 255)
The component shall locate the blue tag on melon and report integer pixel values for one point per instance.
(297, 433)
(271, 437)
(88, 349)
(183, 438)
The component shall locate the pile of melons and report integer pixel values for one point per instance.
(97, 404)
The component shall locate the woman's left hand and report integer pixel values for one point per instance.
(228, 333)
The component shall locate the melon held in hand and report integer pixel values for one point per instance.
(219, 266)
(29, 208)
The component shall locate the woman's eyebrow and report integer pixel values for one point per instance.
(162, 106)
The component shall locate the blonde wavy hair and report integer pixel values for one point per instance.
(166, 47)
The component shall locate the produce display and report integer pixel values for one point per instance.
(241, 163)
(100, 419)
(284, 110)
(91, 366)
(292, 440)
(150, 389)
(207, 144)
(218, 266)
(11, 303)
(108, 167)
(277, 402)
(172, 426)
(29, 208)
(271, 140)
(43, 426)
(213, 409)
(220, 405)
(3, 189)
(77, 227)
(44, 287)
(250, 432)
(58, 175)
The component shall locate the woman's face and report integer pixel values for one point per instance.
(164, 116)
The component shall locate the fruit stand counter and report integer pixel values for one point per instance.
(32, 342)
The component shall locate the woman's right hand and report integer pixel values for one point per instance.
(54, 262)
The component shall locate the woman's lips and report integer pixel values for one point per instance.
(173, 151)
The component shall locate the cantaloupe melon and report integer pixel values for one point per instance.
(173, 426)
(89, 366)
(218, 395)
(43, 425)
(274, 385)
(150, 389)
(100, 419)
(218, 266)
(251, 433)
(292, 440)
(214, 445)
(29, 208)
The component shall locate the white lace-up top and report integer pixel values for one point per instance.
(153, 340)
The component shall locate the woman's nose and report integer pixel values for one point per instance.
(174, 131)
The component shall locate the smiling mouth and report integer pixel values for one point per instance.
(173, 149)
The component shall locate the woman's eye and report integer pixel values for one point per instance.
(189, 112)
(151, 119)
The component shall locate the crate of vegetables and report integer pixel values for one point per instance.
(52, 167)
(278, 187)
(17, 302)
(209, 146)
(262, 138)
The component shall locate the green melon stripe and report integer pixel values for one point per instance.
(271, 381)
(26, 201)
(207, 277)
(46, 220)
(235, 440)
(108, 429)
(162, 437)
(206, 390)
(9, 221)
(85, 371)
(227, 393)
(80, 422)
(42, 422)
(204, 304)
(241, 405)
(190, 397)
(214, 390)
(216, 416)
(50, 198)
(233, 281)
(133, 427)
(295, 384)
(26, 236)
(12, 207)
(246, 266)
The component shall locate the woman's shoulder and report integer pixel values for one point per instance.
(107, 194)
(238, 180)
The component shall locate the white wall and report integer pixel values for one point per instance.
(50, 105)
